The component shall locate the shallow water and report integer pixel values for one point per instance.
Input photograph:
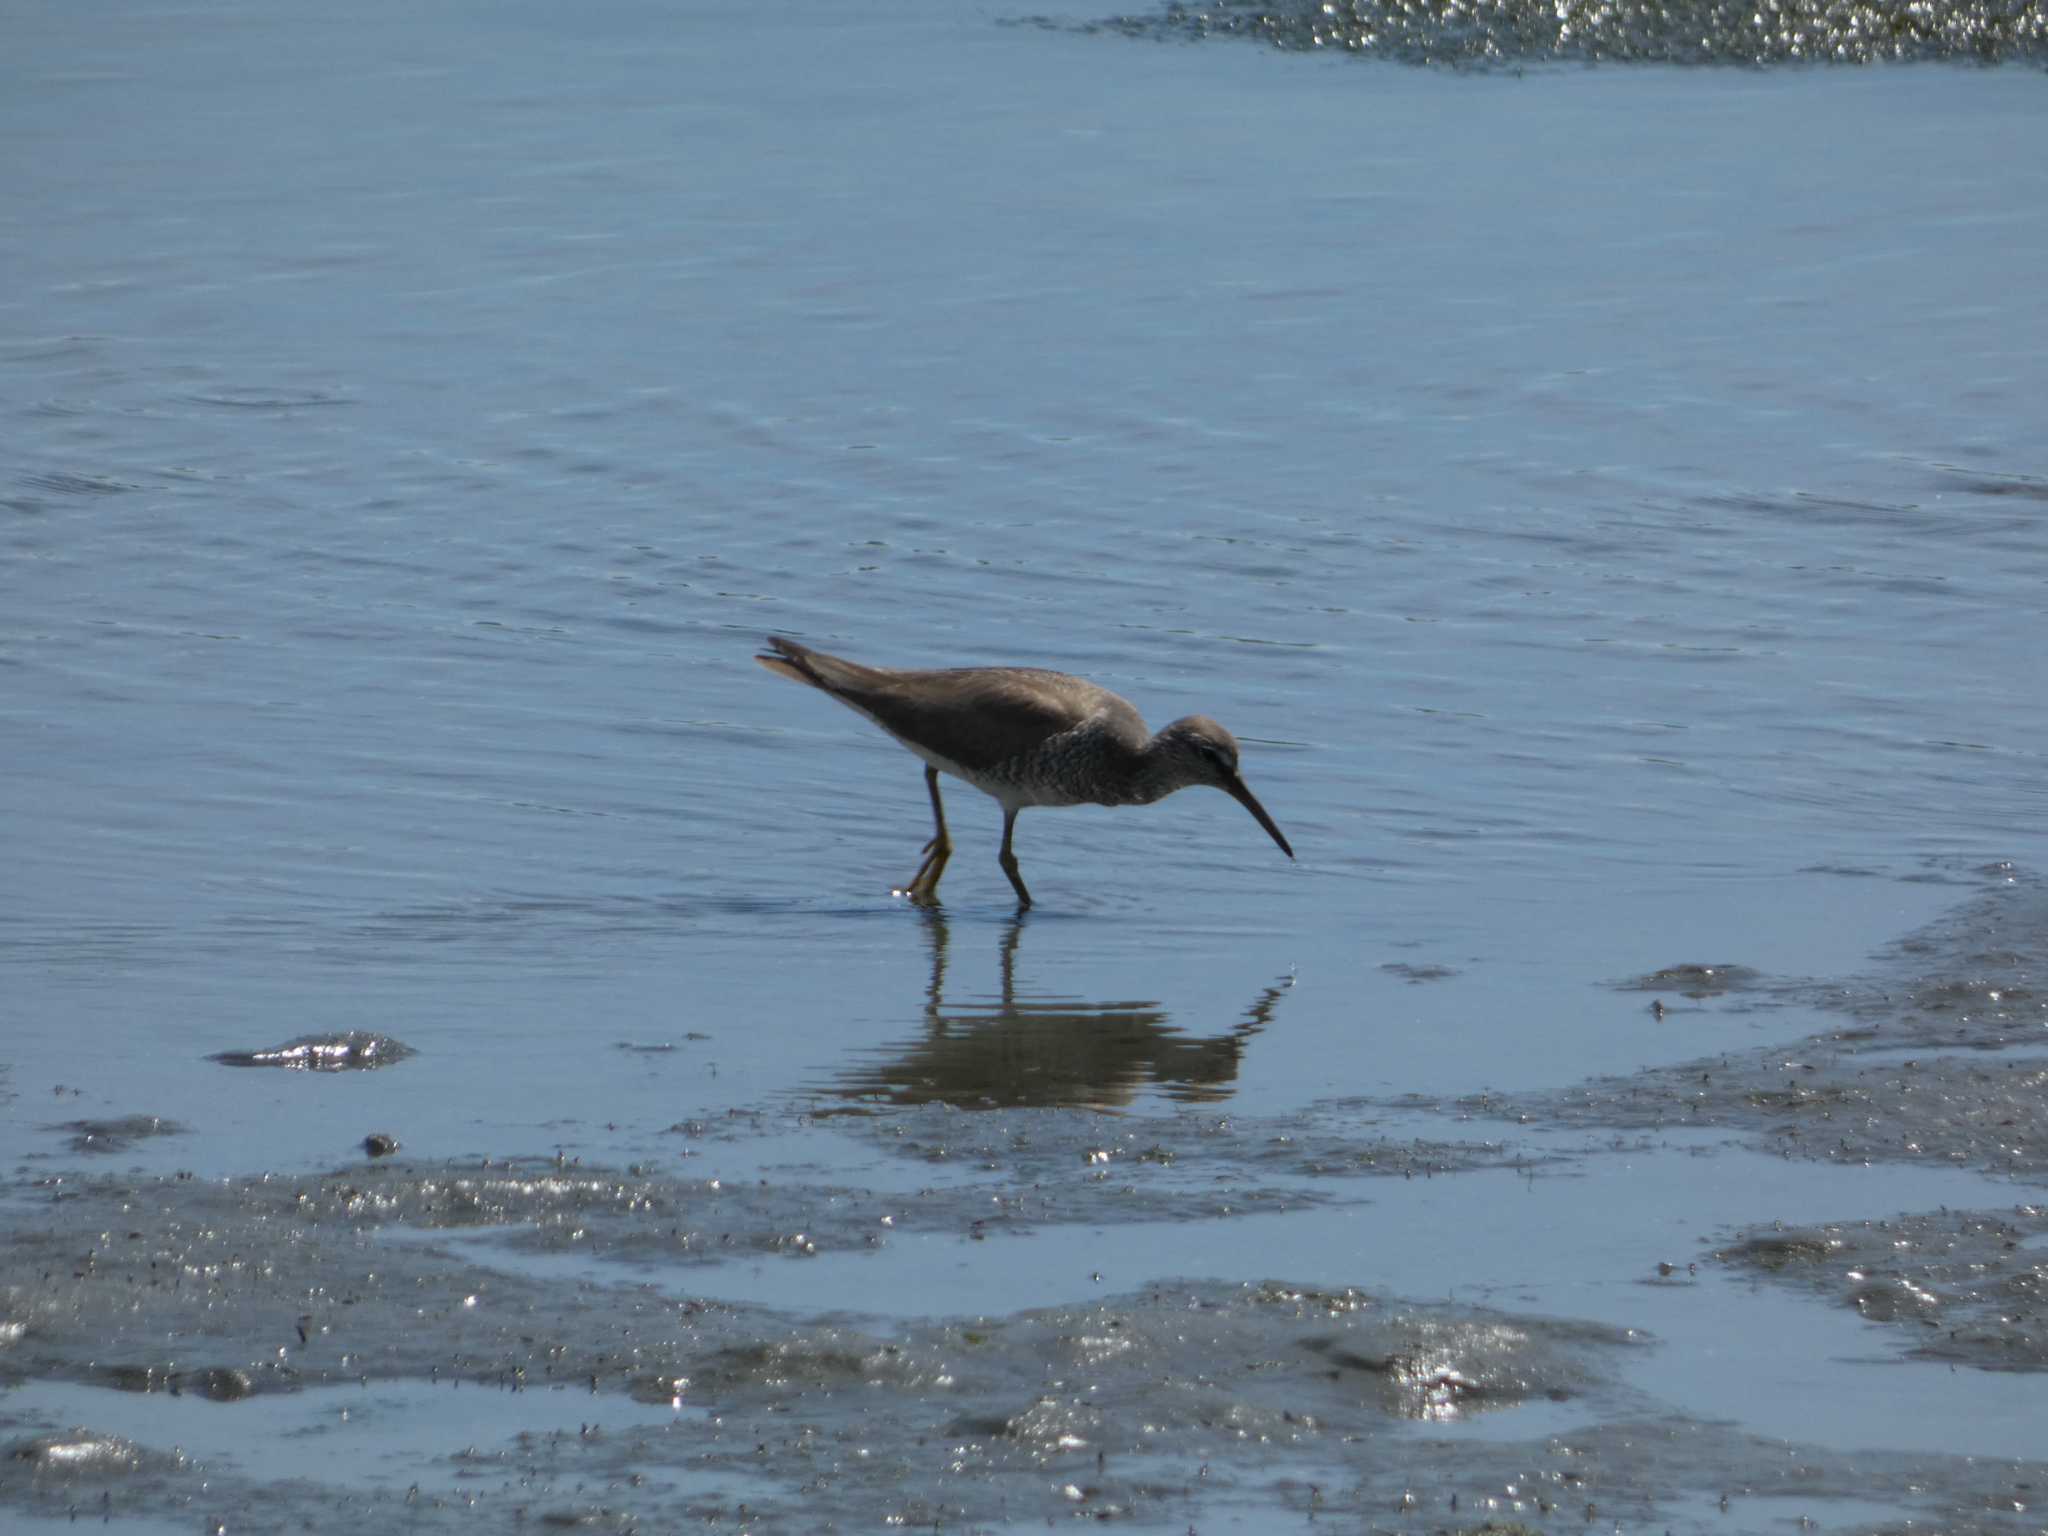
(1607, 506)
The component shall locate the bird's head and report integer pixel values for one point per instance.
(1199, 751)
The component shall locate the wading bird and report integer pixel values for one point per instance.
(1025, 736)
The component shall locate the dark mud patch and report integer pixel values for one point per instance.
(1694, 980)
(1109, 1406)
(81, 1456)
(353, 1051)
(217, 1383)
(1968, 1287)
(1193, 1163)
(104, 1137)
(1816, 1101)
(636, 1218)
(1150, 1406)
(1942, 1057)
(2030, 487)
(1941, 1060)
(1053, 1171)
(1157, 1406)
(1974, 979)
(1511, 33)
(1416, 975)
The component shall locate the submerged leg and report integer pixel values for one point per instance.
(924, 885)
(1009, 860)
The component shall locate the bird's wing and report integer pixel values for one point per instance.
(977, 717)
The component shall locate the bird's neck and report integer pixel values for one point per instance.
(1156, 774)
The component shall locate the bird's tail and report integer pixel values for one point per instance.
(801, 664)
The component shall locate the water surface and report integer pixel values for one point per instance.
(1607, 505)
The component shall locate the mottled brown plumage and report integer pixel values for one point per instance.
(1025, 736)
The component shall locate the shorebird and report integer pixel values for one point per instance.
(1025, 736)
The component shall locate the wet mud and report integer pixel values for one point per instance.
(635, 1401)
(1182, 1167)
(1941, 1059)
(1695, 981)
(1521, 32)
(1969, 1287)
(104, 1137)
(351, 1051)
(1156, 1407)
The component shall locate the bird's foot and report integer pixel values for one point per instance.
(1016, 881)
(924, 885)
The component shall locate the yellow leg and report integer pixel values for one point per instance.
(924, 885)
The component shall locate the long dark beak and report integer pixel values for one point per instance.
(1234, 787)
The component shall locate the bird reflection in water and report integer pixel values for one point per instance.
(1045, 1051)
